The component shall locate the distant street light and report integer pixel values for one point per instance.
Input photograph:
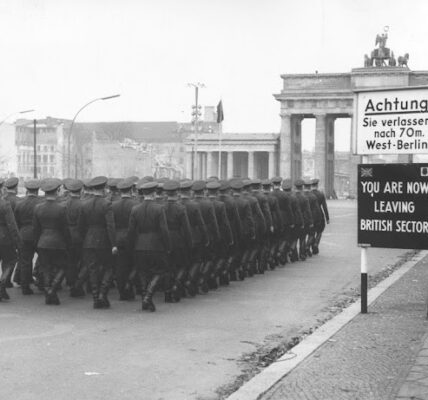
(195, 114)
(16, 112)
(71, 129)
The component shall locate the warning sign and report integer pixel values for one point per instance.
(393, 205)
(392, 121)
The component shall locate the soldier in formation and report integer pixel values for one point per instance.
(183, 238)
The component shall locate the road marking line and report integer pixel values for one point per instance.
(261, 383)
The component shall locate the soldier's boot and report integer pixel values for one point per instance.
(26, 290)
(104, 301)
(3, 294)
(193, 278)
(225, 272)
(51, 298)
(147, 303)
(77, 290)
(203, 278)
(211, 278)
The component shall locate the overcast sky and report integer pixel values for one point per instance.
(57, 54)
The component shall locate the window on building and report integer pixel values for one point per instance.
(38, 147)
(45, 158)
(39, 158)
(51, 170)
(51, 158)
(52, 148)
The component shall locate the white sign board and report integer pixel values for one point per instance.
(392, 121)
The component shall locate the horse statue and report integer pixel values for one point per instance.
(368, 61)
(402, 60)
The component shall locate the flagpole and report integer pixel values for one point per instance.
(220, 127)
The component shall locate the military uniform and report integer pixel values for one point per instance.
(11, 192)
(325, 216)
(73, 205)
(97, 227)
(10, 242)
(210, 220)
(148, 237)
(200, 238)
(53, 238)
(181, 241)
(307, 219)
(221, 248)
(24, 212)
(124, 260)
(316, 216)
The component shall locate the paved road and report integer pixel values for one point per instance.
(183, 351)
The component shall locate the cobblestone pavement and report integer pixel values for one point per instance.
(370, 358)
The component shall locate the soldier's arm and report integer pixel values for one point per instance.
(238, 221)
(81, 224)
(37, 229)
(214, 222)
(186, 228)
(324, 208)
(12, 227)
(289, 213)
(309, 213)
(132, 229)
(261, 217)
(228, 230)
(250, 221)
(164, 230)
(202, 227)
(111, 228)
(267, 214)
(65, 228)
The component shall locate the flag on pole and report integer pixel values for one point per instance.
(220, 115)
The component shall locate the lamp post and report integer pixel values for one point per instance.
(196, 114)
(16, 112)
(71, 129)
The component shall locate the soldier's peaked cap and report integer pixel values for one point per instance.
(147, 186)
(286, 184)
(266, 182)
(186, 185)
(247, 182)
(198, 186)
(298, 182)
(50, 184)
(256, 182)
(98, 181)
(315, 181)
(126, 184)
(224, 185)
(73, 185)
(213, 185)
(308, 182)
(112, 182)
(170, 186)
(236, 184)
(11, 182)
(33, 184)
(133, 178)
(276, 180)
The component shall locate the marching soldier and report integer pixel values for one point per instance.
(210, 220)
(236, 227)
(96, 226)
(124, 260)
(221, 248)
(52, 237)
(286, 220)
(199, 236)
(113, 193)
(307, 219)
(256, 186)
(299, 224)
(10, 243)
(253, 260)
(148, 237)
(73, 205)
(325, 217)
(274, 236)
(24, 213)
(181, 241)
(316, 215)
(248, 226)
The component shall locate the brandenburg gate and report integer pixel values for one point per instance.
(323, 96)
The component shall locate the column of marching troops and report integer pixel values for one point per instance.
(183, 238)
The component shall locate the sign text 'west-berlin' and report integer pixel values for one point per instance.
(393, 205)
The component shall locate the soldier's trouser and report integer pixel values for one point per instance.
(53, 264)
(150, 264)
(124, 265)
(303, 241)
(75, 261)
(319, 229)
(25, 263)
(99, 265)
(8, 259)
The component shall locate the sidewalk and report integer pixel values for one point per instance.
(380, 355)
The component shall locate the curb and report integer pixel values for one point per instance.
(261, 383)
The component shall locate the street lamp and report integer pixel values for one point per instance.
(16, 112)
(71, 129)
(196, 114)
